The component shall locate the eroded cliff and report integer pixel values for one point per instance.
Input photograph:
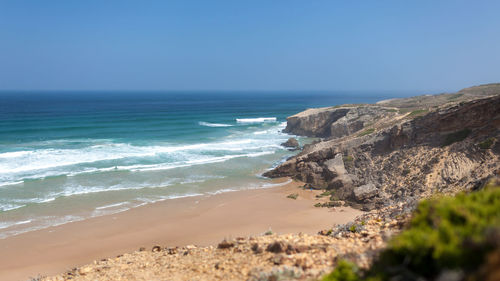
(399, 155)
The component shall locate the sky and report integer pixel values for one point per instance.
(248, 45)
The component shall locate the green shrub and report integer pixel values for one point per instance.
(345, 271)
(293, 196)
(269, 232)
(349, 158)
(487, 144)
(457, 136)
(366, 132)
(353, 228)
(418, 112)
(445, 233)
(327, 193)
(317, 205)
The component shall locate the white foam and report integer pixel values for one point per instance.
(225, 190)
(81, 190)
(199, 179)
(103, 212)
(13, 154)
(41, 223)
(260, 132)
(269, 185)
(112, 205)
(7, 224)
(146, 201)
(256, 120)
(10, 183)
(34, 200)
(15, 167)
(189, 163)
(207, 124)
(10, 207)
(51, 162)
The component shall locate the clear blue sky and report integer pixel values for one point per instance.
(247, 45)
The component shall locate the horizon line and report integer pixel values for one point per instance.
(233, 90)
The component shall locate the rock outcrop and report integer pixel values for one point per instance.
(335, 122)
(291, 143)
(403, 157)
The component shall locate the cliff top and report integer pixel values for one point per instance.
(427, 101)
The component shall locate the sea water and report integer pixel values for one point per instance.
(68, 156)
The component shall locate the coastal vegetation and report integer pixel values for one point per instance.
(418, 112)
(488, 143)
(366, 132)
(445, 234)
(456, 136)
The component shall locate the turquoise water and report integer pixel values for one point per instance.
(68, 156)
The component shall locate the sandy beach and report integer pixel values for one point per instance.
(201, 220)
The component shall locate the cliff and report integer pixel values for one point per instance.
(375, 156)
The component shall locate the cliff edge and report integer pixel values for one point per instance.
(399, 150)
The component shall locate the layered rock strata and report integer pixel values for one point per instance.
(451, 148)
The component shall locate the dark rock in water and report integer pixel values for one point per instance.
(291, 143)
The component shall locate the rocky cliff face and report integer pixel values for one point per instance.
(400, 158)
(335, 122)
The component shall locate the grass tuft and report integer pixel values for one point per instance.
(487, 144)
(366, 132)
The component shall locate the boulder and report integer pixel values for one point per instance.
(364, 192)
(291, 143)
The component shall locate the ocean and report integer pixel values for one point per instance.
(69, 156)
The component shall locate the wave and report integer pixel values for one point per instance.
(146, 201)
(112, 205)
(40, 223)
(81, 189)
(43, 222)
(201, 161)
(8, 224)
(33, 164)
(102, 154)
(10, 183)
(9, 207)
(256, 120)
(207, 124)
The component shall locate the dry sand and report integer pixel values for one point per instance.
(203, 220)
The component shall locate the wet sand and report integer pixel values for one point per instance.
(201, 220)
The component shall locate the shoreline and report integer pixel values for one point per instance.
(200, 220)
